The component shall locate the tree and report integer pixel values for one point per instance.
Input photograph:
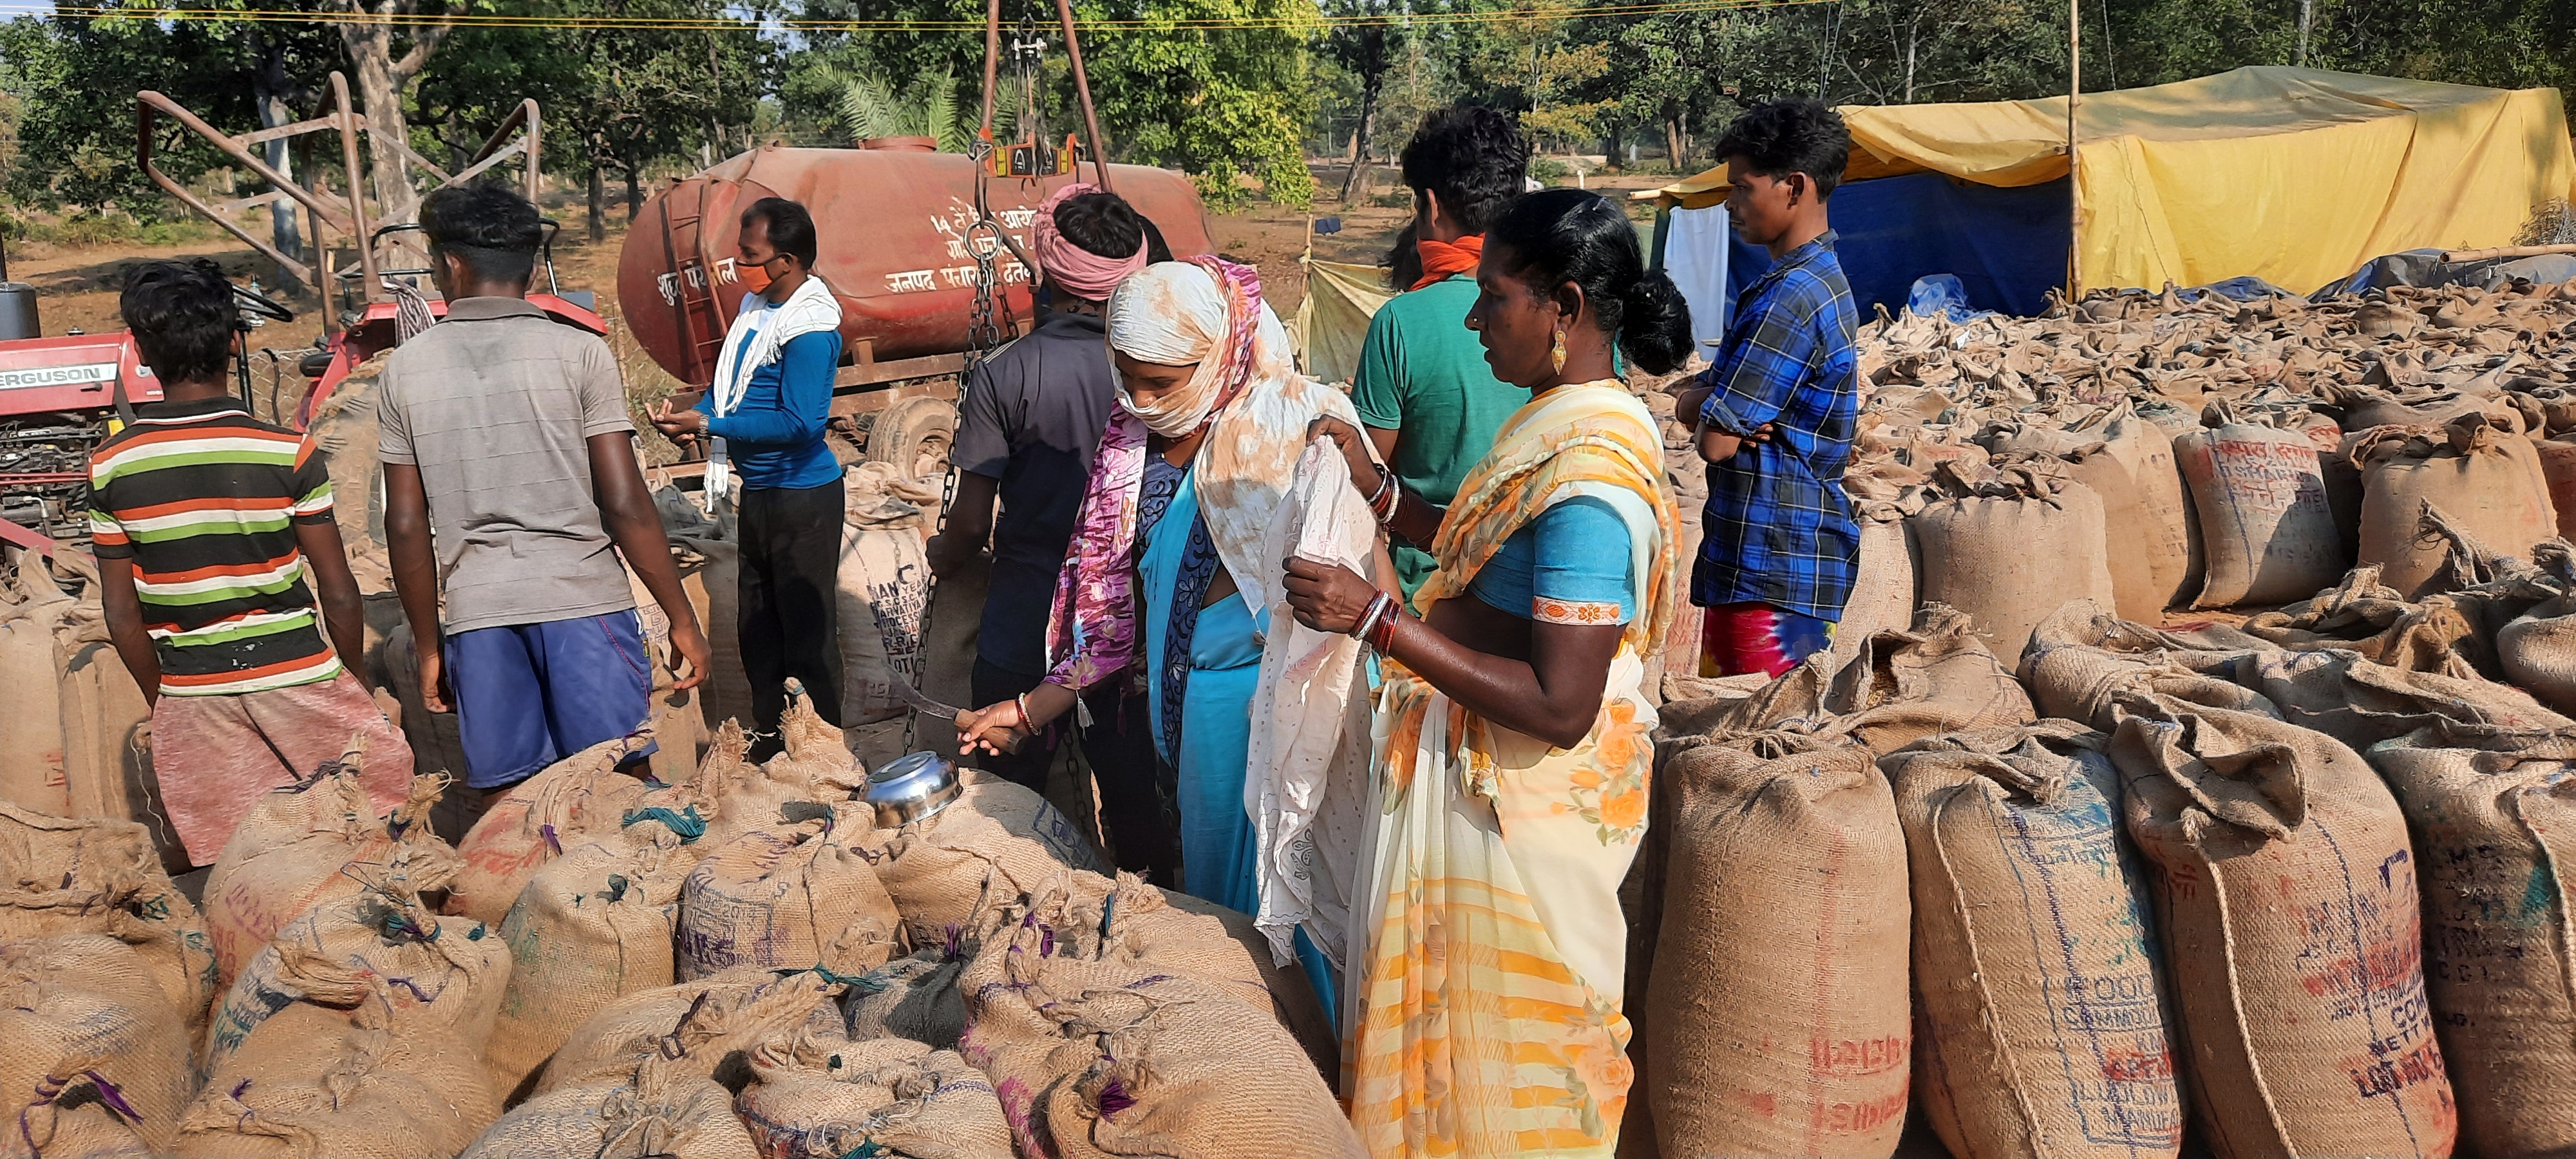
(1360, 49)
(371, 37)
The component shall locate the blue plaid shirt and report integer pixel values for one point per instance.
(1778, 529)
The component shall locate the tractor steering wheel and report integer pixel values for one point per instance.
(250, 301)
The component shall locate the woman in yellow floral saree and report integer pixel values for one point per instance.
(1511, 753)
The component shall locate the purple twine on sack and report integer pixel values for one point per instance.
(1114, 1098)
(553, 844)
(1046, 941)
(406, 984)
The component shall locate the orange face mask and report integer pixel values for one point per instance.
(754, 278)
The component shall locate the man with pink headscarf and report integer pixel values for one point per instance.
(1027, 429)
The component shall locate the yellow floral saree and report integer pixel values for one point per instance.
(1485, 1005)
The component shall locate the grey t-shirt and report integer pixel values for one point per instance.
(494, 405)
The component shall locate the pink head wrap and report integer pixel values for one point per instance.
(1082, 273)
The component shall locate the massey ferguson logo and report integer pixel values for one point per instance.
(83, 374)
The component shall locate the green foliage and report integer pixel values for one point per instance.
(1549, 169)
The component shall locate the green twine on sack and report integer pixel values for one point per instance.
(686, 823)
(616, 888)
(864, 983)
(864, 1151)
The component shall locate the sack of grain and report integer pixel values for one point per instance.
(2361, 703)
(812, 753)
(1781, 1021)
(1092, 916)
(2374, 620)
(1901, 687)
(817, 1098)
(742, 796)
(660, 1110)
(2538, 652)
(445, 974)
(31, 741)
(2485, 478)
(883, 588)
(564, 805)
(1882, 597)
(1120, 1057)
(714, 567)
(100, 876)
(937, 869)
(2286, 895)
(2558, 470)
(589, 928)
(790, 898)
(696, 1023)
(2128, 462)
(914, 998)
(286, 856)
(2487, 809)
(93, 1058)
(2043, 1011)
(314, 1081)
(678, 725)
(2024, 541)
(2259, 495)
(101, 710)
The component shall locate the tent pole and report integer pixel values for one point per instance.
(2074, 179)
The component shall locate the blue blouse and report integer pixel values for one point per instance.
(1568, 566)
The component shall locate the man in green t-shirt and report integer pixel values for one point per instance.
(1423, 390)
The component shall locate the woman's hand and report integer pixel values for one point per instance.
(998, 729)
(1355, 451)
(1327, 596)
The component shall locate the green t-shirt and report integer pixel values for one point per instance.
(1423, 371)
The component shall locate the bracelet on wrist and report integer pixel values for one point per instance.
(1383, 636)
(1026, 721)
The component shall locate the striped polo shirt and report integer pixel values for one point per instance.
(204, 499)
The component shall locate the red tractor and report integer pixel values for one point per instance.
(61, 395)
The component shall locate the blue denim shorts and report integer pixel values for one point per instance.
(528, 695)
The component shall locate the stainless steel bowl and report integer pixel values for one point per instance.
(912, 787)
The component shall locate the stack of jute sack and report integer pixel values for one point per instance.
(740, 962)
(77, 741)
(2186, 452)
(2284, 888)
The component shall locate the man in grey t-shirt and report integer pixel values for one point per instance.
(510, 491)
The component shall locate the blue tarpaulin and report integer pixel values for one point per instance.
(2006, 245)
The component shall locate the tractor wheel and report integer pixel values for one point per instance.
(914, 434)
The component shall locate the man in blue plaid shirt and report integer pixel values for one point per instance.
(1776, 409)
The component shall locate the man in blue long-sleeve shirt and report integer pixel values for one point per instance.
(766, 411)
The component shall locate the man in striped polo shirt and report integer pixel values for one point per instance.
(206, 524)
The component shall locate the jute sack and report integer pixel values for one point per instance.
(661, 1110)
(2538, 652)
(2368, 617)
(937, 869)
(591, 927)
(99, 876)
(699, 1023)
(2287, 898)
(2486, 479)
(564, 805)
(2558, 468)
(1120, 1057)
(882, 589)
(2157, 560)
(314, 1081)
(2043, 1012)
(2491, 813)
(745, 796)
(286, 856)
(1902, 686)
(2259, 495)
(714, 566)
(2361, 704)
(93, 1058)
(1882, 598)
(2026, 540)
(1781, 1015)
(679, 716)
(31, 742)
(443, 973)
(101, 707)
(819, 1098)
(1092, 916)
(793, 898)
(915, 998)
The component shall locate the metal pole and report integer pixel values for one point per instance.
(348, 119)
(1082, 87)
(2074, 171)
(992, 56)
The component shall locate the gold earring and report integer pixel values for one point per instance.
(1557, 354)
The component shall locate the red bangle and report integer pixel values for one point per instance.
(1382, 634)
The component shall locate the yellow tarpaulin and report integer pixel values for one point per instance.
(1334, 318)
(2293, 175)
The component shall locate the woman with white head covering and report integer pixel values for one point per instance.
(1170, 582)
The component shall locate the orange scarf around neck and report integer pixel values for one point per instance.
(1442, 259)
